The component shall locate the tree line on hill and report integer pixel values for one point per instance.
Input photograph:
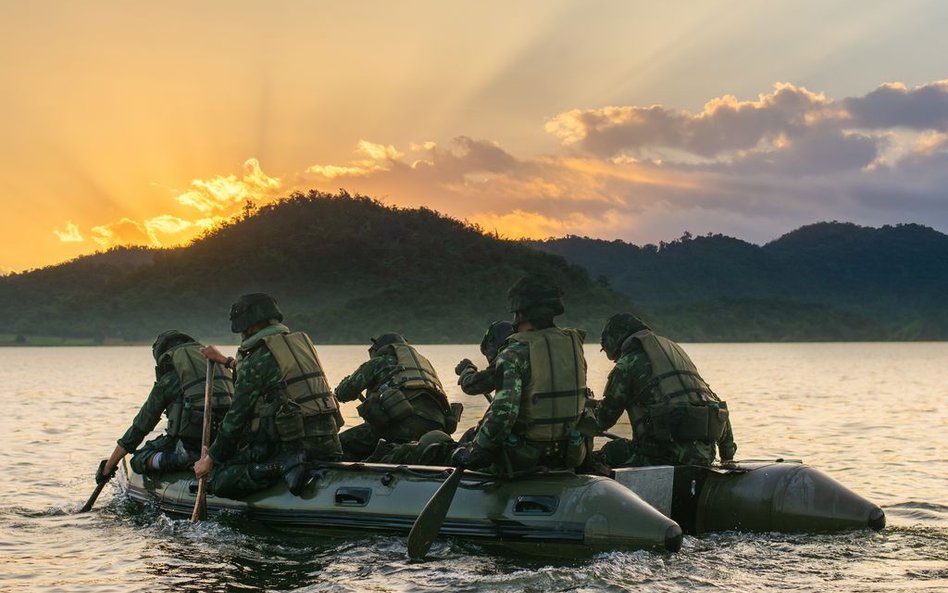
(345, 268)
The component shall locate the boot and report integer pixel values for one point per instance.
(295, 472)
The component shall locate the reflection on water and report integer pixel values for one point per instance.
(870, 415)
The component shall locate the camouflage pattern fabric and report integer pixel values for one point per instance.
(374, 376)
(235, 447)
(625, 390)
(166, 390)
(478, 382)
(512, 372)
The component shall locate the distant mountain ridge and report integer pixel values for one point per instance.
(342, 267)
(825, 281)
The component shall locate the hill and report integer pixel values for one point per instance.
(826, 281)
(342, 267)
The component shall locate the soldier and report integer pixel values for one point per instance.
(284, 412)
(404, 398)
(541, 374)
(473, 381)
(178, 392)
(676, 418)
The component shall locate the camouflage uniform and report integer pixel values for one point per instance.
(375, 376)
(166, 392)
(474, 382)
(500, 432)
(236, 448)
(627, 389)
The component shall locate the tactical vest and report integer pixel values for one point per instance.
(555, 396)
(186, 414)
(683, 406)
(414, 378)
(302, 402)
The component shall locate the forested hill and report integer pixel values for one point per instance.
(826, 281)
(342, 268)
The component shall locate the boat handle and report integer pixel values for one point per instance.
(353, 497)
(536, 505)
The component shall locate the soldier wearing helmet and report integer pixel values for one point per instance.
(541, 389)
(284, 412)
(403, 398)
(473, 381)
(676, 418)
(178, 393)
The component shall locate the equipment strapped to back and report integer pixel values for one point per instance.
(414, 370)
(302, 393)
(186, 415)
(555, 396)
(683, 406)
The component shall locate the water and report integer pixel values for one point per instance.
(873, 416)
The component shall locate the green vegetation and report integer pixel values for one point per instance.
(826, 281)
(342, 267)
(345, 268)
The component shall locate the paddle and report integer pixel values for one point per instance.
(429, 521)
(95, 494)
(200, 503)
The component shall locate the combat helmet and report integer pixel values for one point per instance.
(619, 327)
(167, 340)
(535, 298)
(494, 338)
(385, 340)
(251, 309)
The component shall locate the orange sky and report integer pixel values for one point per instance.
(146, 123)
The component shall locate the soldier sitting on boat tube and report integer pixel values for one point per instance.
(178, 393)
(283, 413)
(541, 390)
(676, 418)
(404, 398)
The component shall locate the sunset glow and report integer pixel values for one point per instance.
(635, 121)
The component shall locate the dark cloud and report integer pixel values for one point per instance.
(893, 105)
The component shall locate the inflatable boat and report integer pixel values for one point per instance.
(783, 496)
(545, 512)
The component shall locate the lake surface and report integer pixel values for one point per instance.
(871, 415)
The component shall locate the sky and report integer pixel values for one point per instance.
(147, 123)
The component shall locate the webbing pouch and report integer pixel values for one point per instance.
(371, 411)
(395, 405)
(575, 449)
(452, 420)
(288, 422)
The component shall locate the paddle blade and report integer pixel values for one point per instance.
(95, 494)
(429, 521)
(199, 512)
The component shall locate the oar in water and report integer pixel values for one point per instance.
(95, 493)
(429, 521)
(200, 503)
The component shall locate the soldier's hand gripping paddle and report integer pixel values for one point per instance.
(200, 502)
(429, 521)
(101, 479)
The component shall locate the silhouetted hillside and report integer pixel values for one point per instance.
(821, 282)
(343, 268)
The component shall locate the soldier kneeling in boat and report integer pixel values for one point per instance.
(178, 393)
(541, 390)
(284, 412)
(404, 398)
(676, 418)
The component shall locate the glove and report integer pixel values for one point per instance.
(471, 456)
(101, 478)
(463, 367)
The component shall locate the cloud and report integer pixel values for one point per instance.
(223, 193)
(754, 168)
(894, 105)
(71, 234)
